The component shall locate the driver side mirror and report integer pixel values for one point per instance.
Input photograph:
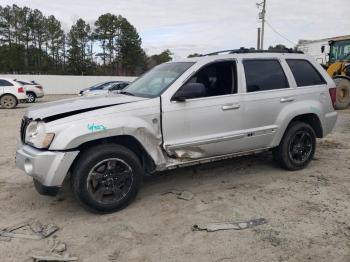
(188, 91)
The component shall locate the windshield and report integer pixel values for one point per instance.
(157, 80)
(345, 57)
(339, 51)
(99, 86)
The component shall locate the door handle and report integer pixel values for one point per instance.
(231, 107)
(287, 99)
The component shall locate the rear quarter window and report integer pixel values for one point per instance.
(5, 83)
(305, 74)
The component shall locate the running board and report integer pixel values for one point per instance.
(175, 163)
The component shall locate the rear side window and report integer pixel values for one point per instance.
(5, 83)
(305, 73)
(264, 74)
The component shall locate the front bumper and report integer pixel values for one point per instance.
(21, 96)
(47, 167)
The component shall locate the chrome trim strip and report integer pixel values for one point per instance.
(205, 141)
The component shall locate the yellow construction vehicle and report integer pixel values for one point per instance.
(338, 67)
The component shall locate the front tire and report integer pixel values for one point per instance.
(106, 178)
(297, 147)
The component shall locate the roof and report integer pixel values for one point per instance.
(208, 58)
(336, 38)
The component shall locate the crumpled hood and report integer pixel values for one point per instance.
(77, 105)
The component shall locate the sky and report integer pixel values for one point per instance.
(203, 26)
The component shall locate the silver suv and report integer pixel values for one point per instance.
(180, 113)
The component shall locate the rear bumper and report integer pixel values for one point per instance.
(49, 168)
(39, 94)
(21, 96)
(330, 120)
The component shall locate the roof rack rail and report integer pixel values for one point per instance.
(243, 50)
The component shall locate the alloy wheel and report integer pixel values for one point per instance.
(300, 147)
(110, 180)
(8, 101)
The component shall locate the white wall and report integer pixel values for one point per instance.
(63, 84)
(313, 48)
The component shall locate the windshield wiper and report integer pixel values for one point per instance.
(126, 93)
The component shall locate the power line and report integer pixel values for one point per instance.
(273, 29)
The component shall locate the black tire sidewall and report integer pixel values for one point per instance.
(282, 153)
(88, 160)
(33, 95)
(342, 84)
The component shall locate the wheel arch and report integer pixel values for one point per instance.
(310, 118)
(313, 120)
(127, 141)
(341, 77)
(31, 92)
(4, 94)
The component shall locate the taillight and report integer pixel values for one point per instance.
(40, 87)
(333, 95)
(20, 90)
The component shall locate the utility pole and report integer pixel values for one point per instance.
(258, 39)
(263, 24)
(262, 18)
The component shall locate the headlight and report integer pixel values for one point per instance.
(36, 135)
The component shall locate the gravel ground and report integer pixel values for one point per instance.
(307, 211)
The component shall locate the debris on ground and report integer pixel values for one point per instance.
(271, 236)
(30, 229)
(57, 246)
(53, 257)
(185, 195)
(211, 227)
(57, 252)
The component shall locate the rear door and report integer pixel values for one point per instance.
(268, 91)
(1, 87)
(6, 87)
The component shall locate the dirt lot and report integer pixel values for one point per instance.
(307, 211)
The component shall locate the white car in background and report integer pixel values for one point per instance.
(104, 88)
(33, 90)
(11, 93)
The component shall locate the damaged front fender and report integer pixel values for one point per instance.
(143, 125)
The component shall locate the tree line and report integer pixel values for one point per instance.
(31, 42)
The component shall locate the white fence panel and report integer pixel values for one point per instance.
(66, 84)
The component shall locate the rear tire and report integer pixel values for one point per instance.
(31, 97)
(343, 93)
(8, 101)
(106, 178)
(297, 147)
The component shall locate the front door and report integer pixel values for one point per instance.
(209, 125)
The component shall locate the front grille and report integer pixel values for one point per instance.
(24, 124)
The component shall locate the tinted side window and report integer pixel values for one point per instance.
(264, 74)
(5, 83)
(305, 73)
(218, 78)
